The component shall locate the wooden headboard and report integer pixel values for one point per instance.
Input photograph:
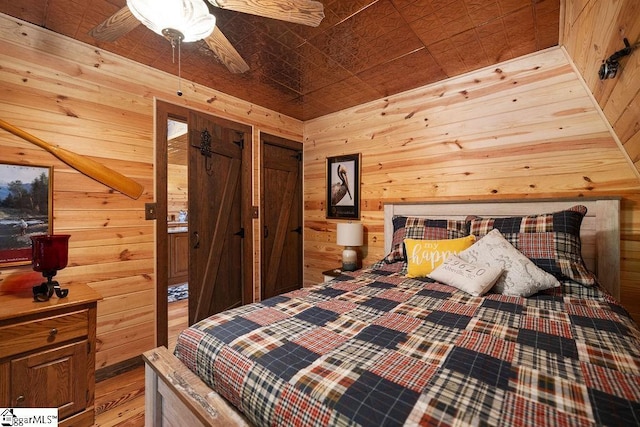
(599, 234)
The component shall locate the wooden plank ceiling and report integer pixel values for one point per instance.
(363, 49)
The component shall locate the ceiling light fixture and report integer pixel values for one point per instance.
(176, 20)
(190, 18)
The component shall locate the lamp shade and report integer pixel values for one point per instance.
(189, 17)
(349, 234)
(50, 252)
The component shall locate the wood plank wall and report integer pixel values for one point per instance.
(177, 176)
(177, 189)
(593, 31)
(525, 129)
(101, 105)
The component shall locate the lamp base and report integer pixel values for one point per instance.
(349, 259)
(44, 291)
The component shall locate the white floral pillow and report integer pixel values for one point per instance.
(472, 278)
(521, 277)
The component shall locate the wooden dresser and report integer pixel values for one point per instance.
(47, 353)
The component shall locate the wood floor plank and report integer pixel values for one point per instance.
(130, 413)
(178, 320)
(120, 399)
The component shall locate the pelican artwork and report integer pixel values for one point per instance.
(339, 189)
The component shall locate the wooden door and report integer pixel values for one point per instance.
(197, 193)
(216, 214)
(281, 216)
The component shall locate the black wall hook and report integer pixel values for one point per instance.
(609, 67)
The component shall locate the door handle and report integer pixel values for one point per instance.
(196, 237)
(266, 232)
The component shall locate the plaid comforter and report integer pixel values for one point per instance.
(380, 349)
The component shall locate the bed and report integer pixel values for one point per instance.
(376, 347)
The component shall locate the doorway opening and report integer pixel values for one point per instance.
(216, 225)
(166, 114)
(177, 227)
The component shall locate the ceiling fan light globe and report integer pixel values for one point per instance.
(189, 17)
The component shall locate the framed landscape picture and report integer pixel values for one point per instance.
(343, 186)
(26, 194)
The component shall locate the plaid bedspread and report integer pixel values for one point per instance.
(380, 349)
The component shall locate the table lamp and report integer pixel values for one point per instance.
(49, 254)
(349, 235)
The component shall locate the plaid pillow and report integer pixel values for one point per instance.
(551, 241)
(408, 227)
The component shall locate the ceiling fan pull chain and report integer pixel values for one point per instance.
(173, 35)
(179, 67)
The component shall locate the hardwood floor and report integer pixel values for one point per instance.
(178, 320)
(120, 400)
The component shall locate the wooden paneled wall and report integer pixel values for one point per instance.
(177, 189)
(593, 31)
(177, 176)
(528, 128)
(100, 105)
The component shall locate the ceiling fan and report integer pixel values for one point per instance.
(306, 12)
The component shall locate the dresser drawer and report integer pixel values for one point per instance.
(20, 337)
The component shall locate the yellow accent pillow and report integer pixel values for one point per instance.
(423, 256)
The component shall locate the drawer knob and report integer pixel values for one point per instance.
(53, 332)
(19, 399)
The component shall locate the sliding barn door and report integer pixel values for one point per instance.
(216, 212)
(282, 216)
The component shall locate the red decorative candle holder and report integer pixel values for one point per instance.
(49, 254)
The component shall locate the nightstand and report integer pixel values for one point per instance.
(48, 353)
(331, 274)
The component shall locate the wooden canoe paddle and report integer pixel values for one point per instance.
(83, 164)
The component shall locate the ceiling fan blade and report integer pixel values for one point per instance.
(225, 51)
(306, 12)
(115, 26)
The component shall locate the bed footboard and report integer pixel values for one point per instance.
(175, 396)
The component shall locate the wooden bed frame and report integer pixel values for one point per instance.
(176, 396)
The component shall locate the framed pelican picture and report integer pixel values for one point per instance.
(343, 186)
